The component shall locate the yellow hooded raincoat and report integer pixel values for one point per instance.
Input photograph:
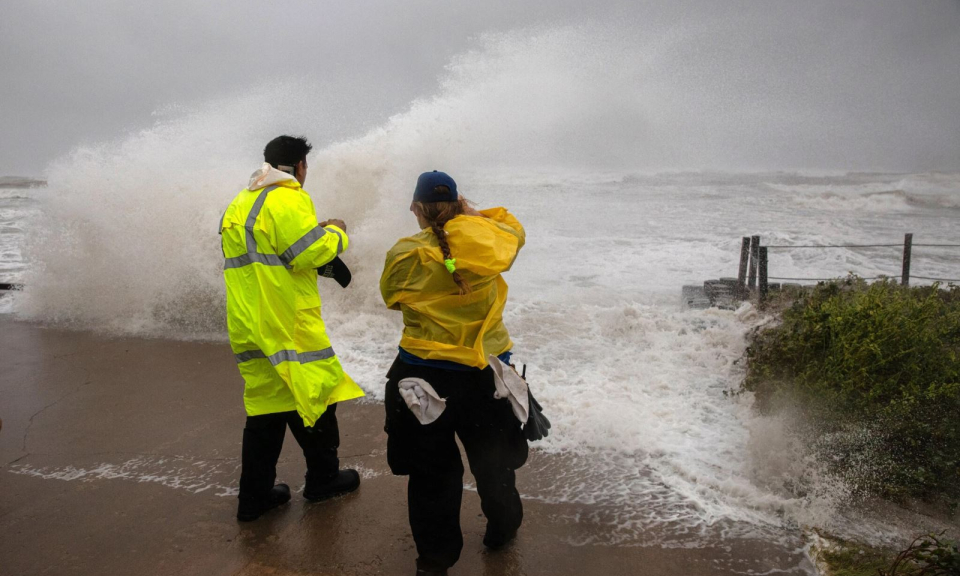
(439, 323)
(272, 246)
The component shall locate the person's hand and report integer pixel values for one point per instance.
(335, 222)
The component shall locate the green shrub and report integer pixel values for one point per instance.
(930, 555)
(845, 558)
(927, 555)
(876, 368)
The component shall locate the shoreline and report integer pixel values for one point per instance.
(121, 455)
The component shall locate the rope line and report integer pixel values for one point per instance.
(936, 279)
(829, 279)
(842, 246)
(865, 246)
(890, 276)
(912, 276)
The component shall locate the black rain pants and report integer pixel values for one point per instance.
(263, 440)
(495, 447)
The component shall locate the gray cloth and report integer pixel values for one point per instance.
(422, 399)
(510, 386)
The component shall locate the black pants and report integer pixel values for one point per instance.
(263, 440)
(495, 446)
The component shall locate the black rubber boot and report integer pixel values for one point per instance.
(344, 482)
(427, 568)
(250, 510)
(495, 540)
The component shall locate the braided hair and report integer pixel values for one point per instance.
(437, 214)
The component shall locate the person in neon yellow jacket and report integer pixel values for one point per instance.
(272, 247)
(446, 280)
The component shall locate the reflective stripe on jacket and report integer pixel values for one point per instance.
(439, 323)
(272, 246)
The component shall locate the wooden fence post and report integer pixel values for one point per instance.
(742, 274)
(764, 285)
(754, 254)
(907, 249)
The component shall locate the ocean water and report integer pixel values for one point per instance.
(17, 206)
(635, 385)
(123, 240)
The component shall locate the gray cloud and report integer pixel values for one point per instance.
(875, 82)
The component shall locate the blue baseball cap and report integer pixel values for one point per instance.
(427, 184)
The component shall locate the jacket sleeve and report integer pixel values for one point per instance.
(395, 282)
(290, 220)
(508, 222)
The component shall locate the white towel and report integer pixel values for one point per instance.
(422, 399)
(510, 386)
(267, 175)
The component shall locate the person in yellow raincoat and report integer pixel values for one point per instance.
(447, 282)
(272, 247)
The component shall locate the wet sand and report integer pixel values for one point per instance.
(121, 456)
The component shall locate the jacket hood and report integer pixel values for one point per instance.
(267, 175)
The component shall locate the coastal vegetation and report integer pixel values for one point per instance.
(927, 555)
(874, 371)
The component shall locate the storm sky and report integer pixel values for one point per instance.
(876, 75)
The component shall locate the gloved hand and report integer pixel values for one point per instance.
(337, 270)
(537, 426)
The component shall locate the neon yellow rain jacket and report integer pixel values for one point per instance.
(272, 246)
(439, 323)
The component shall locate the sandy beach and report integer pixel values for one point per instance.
(121, 456)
